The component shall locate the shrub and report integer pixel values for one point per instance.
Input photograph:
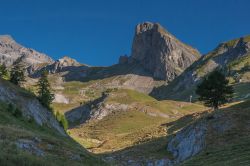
(14, 110)
(62, 120)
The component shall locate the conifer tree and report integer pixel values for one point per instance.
(44, 92)
(215, 90)
(17, 75)
(3, 71)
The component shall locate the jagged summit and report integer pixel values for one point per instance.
(230, 50)
(11, 53)
(6, 39)
(159, 52)
(67, 61)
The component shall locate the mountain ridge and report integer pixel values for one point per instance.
(223, 56)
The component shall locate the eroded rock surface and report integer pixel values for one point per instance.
(12, 52)
(29, 105)
(164, 56)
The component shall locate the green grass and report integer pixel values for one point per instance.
(239, 63)
(242, 91)
(142, 122)
(229, 148)
(232, 43)
(127, 96)
(247, 38)
(62, 108)
(13, 128)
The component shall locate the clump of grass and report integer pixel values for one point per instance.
(62, 120)
(62, 148)
(14, 110)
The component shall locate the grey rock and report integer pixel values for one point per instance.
(12, 52)
(123, 59)
(30, 146)
(220, 57)
(188, 142)
(94, 110)
(29, 105)
(68, 68)
(159, 52)
(160, 162)
(75, 157)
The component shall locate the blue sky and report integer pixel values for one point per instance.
(97, 32)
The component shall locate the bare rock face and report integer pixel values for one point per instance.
(29, 105)
(226, 54)
(12, 52)
(123, 59)
(69, 68)
(187, 143)
(164, 56)
(61, 64)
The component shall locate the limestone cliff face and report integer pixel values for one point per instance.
(12, 52)
(29, 105)
(164, 56)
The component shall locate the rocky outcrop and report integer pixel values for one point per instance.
(29, 105)
(30, 146)
(12, 52)
(224, 56)
(69, 68)
(123, 59)
(95, 110)
(159, 52)
(196, 137)
(188, 142)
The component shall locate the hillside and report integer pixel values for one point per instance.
(30, 135)
(125, 118)
(204, 138)
(227, 138)
(233, 57)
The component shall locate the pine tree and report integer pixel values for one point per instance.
(215, 90)
(3, 71)
(17, 75)
(44, 93)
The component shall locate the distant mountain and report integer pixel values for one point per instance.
(66, 67)
(232, 56)
(12, 52)
(160, 53)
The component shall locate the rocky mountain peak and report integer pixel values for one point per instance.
(159, 52)
(230, 50)
(6, 39)
(11, 53)
(67, 61)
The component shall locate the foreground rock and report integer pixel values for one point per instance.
(187, 143)
(29, 105)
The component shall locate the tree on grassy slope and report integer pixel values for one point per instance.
(215, 90)
(44, 93)
(17, 75)
(3, 71)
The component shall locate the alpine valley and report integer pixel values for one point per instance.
(141, 111)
